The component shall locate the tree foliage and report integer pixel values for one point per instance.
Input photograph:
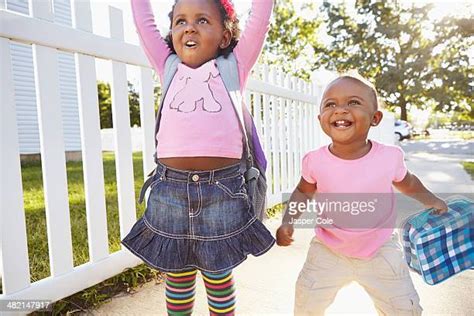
(291, 38)
(412, 61)
(105, 105)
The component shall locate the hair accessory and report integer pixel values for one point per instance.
(229, 8)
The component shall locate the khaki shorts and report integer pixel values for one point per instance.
(385, 277)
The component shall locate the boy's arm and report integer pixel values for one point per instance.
(414, 188)
(304, 191)
(152, 42)
(253, 37)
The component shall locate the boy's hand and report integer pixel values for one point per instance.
(284, 235)
(440, 206)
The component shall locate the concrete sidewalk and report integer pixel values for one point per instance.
(265, 285)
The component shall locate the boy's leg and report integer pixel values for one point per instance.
(323, 274)
(387, 280)
(220, 292)
(180, 289)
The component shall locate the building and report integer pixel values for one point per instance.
(24, 86)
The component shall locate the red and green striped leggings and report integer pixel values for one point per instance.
(180, 289)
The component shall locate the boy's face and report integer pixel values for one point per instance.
(197, 31)
(348, 109)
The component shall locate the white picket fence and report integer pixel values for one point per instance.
(285, 111)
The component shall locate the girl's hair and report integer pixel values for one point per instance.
(229, 21)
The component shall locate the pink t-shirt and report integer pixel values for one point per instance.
(207, 127)
(367, 177)
(198, 118)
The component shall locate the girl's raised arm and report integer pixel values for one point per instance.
(253, 37)
(152, 42)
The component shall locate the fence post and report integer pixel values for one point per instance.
(283, 134)
(268, 131)
(300, 124)
(294, 133)
(309, 118)
(313, 114)
(122, 133)
(91, 144)
(275, 134)
(53, 159)
(42, 9)
(257, 108)
(290, 136)
(147, 118)
(305, 126)
(14, 265)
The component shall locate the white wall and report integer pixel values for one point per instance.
(24, 86)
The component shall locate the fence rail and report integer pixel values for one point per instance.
(285, 111)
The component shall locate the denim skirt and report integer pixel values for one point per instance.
(198, 219)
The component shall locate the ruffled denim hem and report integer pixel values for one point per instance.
(178, 254)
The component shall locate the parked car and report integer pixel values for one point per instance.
(403, 130)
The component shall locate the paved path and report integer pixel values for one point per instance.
(443, 147)
(265, 285)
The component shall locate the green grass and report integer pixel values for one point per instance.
(447, 134)
(33, 195)
(36, 218)
(464, 135)
(469, 167)
(275, 210)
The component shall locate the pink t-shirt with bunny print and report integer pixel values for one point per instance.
(364, 178)
(198, 118)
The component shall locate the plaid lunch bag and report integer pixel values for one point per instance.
(440, 246)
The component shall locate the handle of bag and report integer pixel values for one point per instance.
(421, 219)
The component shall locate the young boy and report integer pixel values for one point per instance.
(343, 250)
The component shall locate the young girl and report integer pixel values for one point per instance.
(198, 215)
(353, 166)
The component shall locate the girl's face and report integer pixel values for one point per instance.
(348, 109)
(197, 31)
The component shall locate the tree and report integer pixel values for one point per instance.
(291, 38)
(388, 43)
(134, 103)
(105, 105)
(412, 61)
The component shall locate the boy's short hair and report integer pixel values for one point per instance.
(354, 75)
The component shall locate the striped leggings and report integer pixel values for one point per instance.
(180, 290)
